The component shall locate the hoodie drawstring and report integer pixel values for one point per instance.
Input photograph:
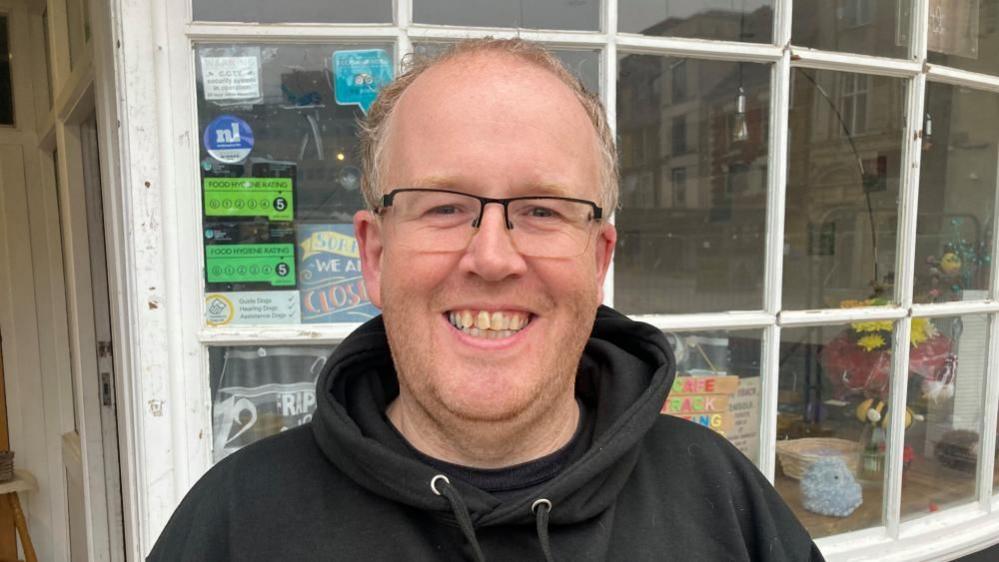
(541, 508)
(460, 511)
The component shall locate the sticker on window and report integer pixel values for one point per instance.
(252, 307)
(232, 78)
(330, 280)
(228, 139)
(359, 75)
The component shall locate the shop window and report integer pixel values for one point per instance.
(750, 21)
(280, 177)
(957, 193)
(529, 14)
(947, 359)
(294, 11)
(865, 27)
(964, 34)
(830, 378)
(261, 391)
(701, 248)
(718, 384)
(6, 91)
(842, 192)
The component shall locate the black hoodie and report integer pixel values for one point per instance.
(649, 487)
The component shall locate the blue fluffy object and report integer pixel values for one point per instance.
(828, 488)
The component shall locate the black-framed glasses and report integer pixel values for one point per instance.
(442, 220)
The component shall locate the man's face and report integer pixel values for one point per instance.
(493, 126)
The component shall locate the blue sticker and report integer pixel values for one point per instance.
(228, 139)
(359, 75)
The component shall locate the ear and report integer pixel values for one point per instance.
(368, 231)
(605, 242)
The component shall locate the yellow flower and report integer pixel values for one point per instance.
(872, 326)
(870, 342)
(922, 330)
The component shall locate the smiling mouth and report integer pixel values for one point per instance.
(486, 324)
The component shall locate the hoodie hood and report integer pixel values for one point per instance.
(625, 373)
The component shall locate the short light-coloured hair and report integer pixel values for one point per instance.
(374, 128)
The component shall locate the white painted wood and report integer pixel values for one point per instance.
(933, 310)
(826, 60)
(608, 96)
(698, 48)
(839, 315)
(712, 321)
(296, 33)
(943, 74)
(892, 496)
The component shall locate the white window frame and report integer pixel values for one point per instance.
(178, 447)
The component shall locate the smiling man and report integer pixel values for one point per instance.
(495, 410)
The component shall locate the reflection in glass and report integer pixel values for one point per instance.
(729, 20)
(281, 179)
(957, 192)
(693, 141)
(585, 65)
(718, 384)
(294, 11)
(945, 398)
(964, 35)
(529, 14)
(261, 391)
(827, 375)
(868, 27)
(844, 161)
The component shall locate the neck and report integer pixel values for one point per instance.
(485, 444)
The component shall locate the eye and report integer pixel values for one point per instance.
(539, 212)
(443, 210)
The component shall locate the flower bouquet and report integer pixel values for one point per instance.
(858, 360)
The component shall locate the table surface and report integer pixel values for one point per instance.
(927, 486)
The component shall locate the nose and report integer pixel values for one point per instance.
(491, 254)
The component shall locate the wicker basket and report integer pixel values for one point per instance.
(796, 455)
(6, 466)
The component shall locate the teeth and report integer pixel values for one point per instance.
(491, 325)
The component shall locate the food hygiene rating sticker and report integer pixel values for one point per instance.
(249, 197)
(251, 263)
(228, 139)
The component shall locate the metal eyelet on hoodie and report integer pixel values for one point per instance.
(541, 508)
(441, 486)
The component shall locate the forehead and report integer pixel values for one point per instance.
(492, 113)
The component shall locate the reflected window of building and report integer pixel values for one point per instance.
(957, 194)
(528, 14)
(741, 20)
(844, 164)
(865, 27)
(964, 35)
(718, 384)
(693, 192)
(294, 11)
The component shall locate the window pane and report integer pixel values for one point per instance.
(963, 34)
(718, 384)
(261, 391)
(585, 65)
(957, 193)
(281, 179)
(826, 374)
(6, 92)
(945, 402)
(748, 20)
(693, 184)
(531, 14)
(302, 11)
(844, 161)
(869, 27)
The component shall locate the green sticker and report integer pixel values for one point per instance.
(249, 197)
(250, 263)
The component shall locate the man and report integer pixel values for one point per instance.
(495, 411)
